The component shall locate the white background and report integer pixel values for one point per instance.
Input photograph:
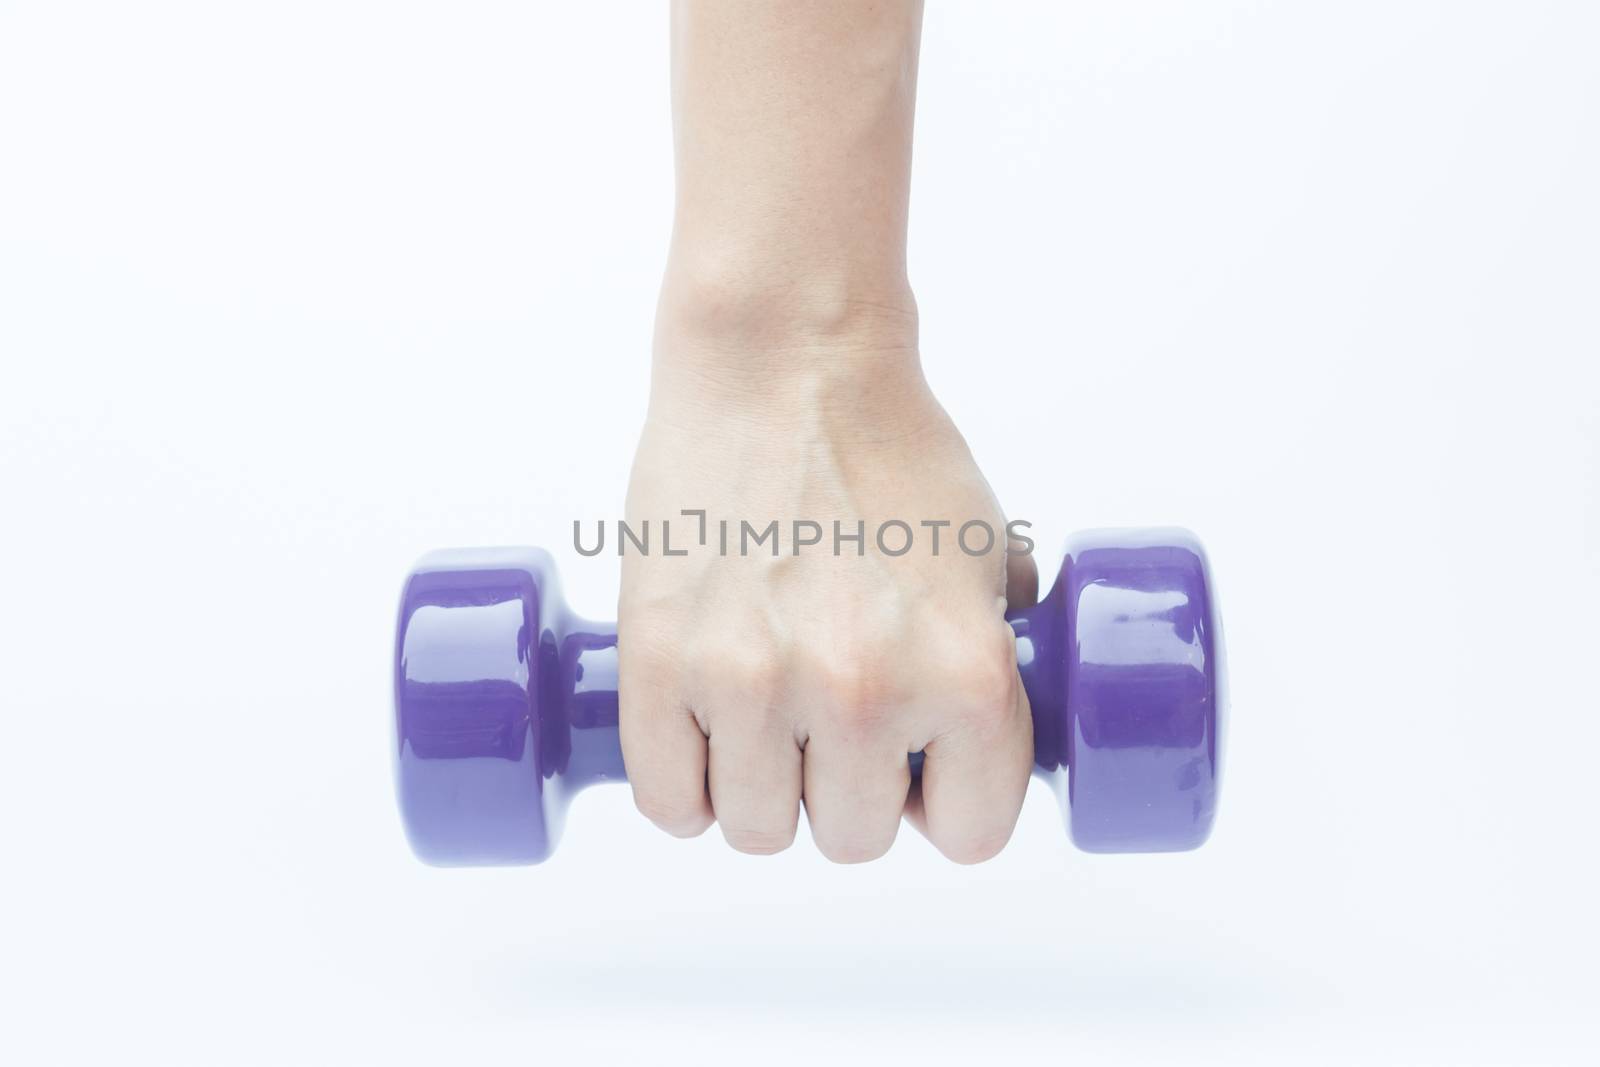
(292, 292)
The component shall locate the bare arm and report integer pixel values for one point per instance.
(787, 387)
(793, 133)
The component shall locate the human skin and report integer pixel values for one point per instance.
(787, 385)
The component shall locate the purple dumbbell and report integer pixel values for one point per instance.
(506, 702)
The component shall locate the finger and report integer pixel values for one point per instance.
(755, 779)
(1022, 581)
(974, 777)
(663, 747)
(915, 813)
(855, 793)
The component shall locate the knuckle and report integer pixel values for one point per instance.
(990, 711)
(968, 849)
(854, 689)
(679, 815)
(850, 849)
(758, 841)
(983, 679)
(749, 673)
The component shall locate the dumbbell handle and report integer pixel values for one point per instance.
(587, 698)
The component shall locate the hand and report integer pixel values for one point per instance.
(751, 682)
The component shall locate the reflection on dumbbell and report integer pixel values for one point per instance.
(506, 702)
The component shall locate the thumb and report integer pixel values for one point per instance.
(1022, 581)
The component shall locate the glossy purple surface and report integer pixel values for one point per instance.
(506, 702)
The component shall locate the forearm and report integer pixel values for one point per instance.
(793, 130)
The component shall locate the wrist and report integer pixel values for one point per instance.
(738, 356)
(767, 332)
(746, 305)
